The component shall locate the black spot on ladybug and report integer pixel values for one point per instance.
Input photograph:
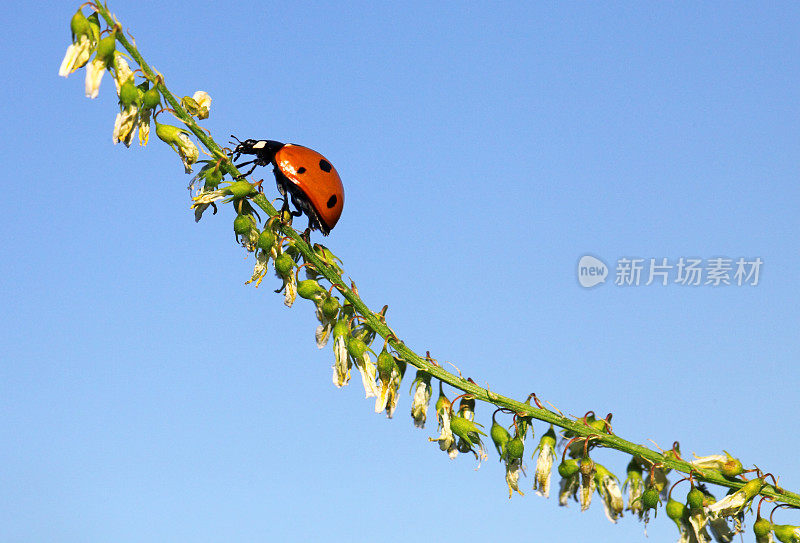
(301, 170)
(332, 199)
(325, 166)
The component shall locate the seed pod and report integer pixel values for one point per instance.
(266, 240)
(151, 99)
(106, 48)
(128, 93)
(79, 25)
(356, 347)
(330, 307)
(500, 437)
(385, 365)
(283, 264)
(309, 289)
(242, 224)
(694, 500)
(241, 189)
(650, 498)
(515, 448)
(568, 468)
(675, 509)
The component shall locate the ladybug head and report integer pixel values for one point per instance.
(262, 148)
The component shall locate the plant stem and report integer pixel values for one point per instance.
(377, 323)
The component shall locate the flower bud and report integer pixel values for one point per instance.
(283, 264)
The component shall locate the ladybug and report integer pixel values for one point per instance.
(303, 175)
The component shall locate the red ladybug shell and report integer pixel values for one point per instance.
(311, 172)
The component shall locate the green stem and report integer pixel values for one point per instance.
(376, 323)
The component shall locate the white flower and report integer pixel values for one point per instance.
(77, 55)
(587, 487)
(568, 487)
(446, 440)
(260, 268)
(387, 398)
(203, 101)
(544, 463)
(422, 398)
(608, 488)
(341, 363)
(369, 373)
(729, 505)
(125, 125)
(122, 72)
(290, 294)
(178, 139)
(513, 470)
(697, 522)
(144, 126)
(720, 529)
(634, 484)
(94, 75)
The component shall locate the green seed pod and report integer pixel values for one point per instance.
(241, 189)
(732, 467)
(568, 468)
(500, 437)
(515, 448)
(243, 224)
(442, 402)
(79, 25)
(786, 533)
(94, 25)
(266, 240)
(283, 264)
(106, 48)
(385, 365)
(356, 347)
(694, 499)
(330, 307)
(675, 509)
(752, 488)
(762, 527)
(128, 93)
(308, 289)
(650, 498)
(341, 328)
(151, 99)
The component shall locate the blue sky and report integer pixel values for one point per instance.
(147, 394)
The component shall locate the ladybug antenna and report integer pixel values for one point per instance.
(237, 139)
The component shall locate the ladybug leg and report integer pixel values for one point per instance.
(306, 235)
(243, 175)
